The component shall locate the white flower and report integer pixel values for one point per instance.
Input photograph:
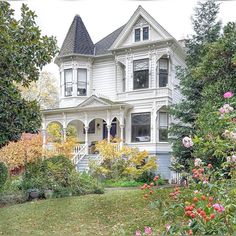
(187, 142)
(197, 162)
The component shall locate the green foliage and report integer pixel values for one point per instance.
(3, 174)
(20, 64)
(57, 170)
(206, 31)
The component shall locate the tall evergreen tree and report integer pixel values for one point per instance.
(206, 30)
(23, 52)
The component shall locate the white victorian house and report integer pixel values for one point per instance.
(119, 86)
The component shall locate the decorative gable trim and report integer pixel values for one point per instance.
(93, 101)
(140, 12)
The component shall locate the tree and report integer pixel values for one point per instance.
(219, 70)
(207, 30)
(44, 91)
(24, 51)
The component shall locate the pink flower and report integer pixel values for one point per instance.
(222, 110)
(228, 94)
(187, 142)
(138, 233)
(218, 207)
(148, 230)
(168, 227)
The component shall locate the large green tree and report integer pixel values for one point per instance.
(218, 68)
(23, 53)
(206, 30)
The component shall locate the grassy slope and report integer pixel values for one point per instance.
(113, 213)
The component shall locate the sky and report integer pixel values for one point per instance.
(101, 17)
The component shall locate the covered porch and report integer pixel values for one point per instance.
(94, 119)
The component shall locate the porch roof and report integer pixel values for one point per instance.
(92, 103)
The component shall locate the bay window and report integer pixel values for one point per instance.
(82, 82)
(163, 127)
(68, 80)
(163, 72)
(140, 127)
(141, 74)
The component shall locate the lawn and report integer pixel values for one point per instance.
(118, 212)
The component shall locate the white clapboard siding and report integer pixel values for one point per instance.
(104, 77)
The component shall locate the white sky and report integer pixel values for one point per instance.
(101, 17)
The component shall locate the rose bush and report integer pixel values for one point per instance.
(206, 206)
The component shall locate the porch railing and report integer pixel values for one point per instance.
(79, 153)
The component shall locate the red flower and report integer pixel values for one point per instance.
(210, 199)
(156, 178)
(212, 216)
(151, 184)
(203, 197)
(190, 232)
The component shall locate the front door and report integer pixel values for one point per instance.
(112, 130)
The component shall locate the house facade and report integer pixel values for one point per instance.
(119, 87)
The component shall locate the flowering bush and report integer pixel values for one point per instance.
(207, 205)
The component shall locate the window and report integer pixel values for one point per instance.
(140, 125)
(163, 72)
(91, 129)
(137, 35)
(145, 33)
(82, 82)
(68, 74)
(141, 74)
(163, 127)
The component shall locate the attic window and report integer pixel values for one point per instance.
(145, 33)
(137, 35)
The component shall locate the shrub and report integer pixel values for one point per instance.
(3, 174)
(57, 170)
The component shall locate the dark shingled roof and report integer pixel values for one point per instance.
(104, 44)
(77, 40)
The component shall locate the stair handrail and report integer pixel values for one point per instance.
(80, 154)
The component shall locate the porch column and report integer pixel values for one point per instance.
(108, 133)
(64, 134)
(44, 138)
(121, 135)
(86, 139)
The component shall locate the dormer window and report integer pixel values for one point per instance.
(145, 33)
(82, 82)
(137, 36)
(141, 34)
(68, 78)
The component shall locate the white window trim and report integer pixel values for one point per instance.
(141, 33)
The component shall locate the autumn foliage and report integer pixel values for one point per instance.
(28, 149)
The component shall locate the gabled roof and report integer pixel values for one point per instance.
(77, 40)
(102, 46)
(126, 30)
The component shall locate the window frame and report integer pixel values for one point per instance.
(148, 33)
(86, 83)
(135, 87)
(65, 83)
(163, 73)
(132, 131)
(163, 127)
(140, 34)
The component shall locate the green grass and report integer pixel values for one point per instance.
(113, 213)
(122, 183)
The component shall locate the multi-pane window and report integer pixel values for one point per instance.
(163, 127)
(68, 79)
(140, 125)
(82, 82)
(141, 74)
(163, 72)
(145, 33)
(137, 35)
